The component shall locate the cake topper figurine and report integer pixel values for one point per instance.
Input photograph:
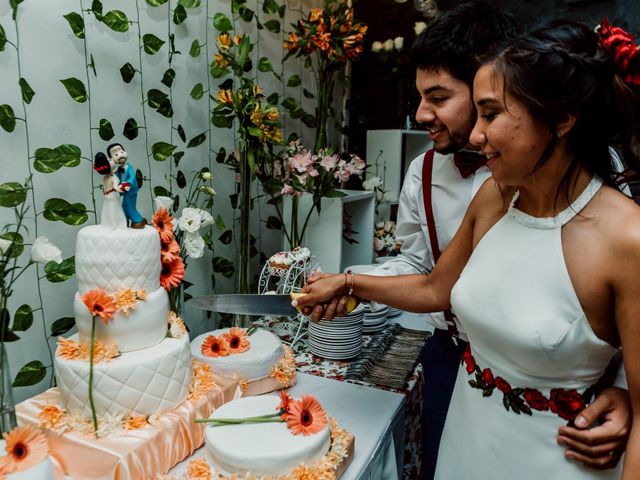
(127, 177)
(112, 215)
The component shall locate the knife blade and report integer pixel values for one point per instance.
(246, 304)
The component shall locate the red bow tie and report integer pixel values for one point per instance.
(468, 162)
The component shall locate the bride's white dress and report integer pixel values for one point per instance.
(532, 351)
(112, 215)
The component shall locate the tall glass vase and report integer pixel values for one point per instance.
(7, 406)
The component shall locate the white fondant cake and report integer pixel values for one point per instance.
(113, 260)
(260, 448)
(41, 471)
(264, 352)
(143, 382)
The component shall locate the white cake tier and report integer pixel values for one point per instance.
(264, 352)
(41, 471)
(145, 382)
(116, 259)
(260, 448)
(143, 327)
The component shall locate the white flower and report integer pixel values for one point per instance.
(205, 219)
(379, 195)
(388, 45)
(379, 225)
(206, 175)
(370, 184)
(389, 226)
(419, 27)
(190, 220)
(163, 202)
(207, 189)
(398, 43)
(387, 197)
(194, 245)
(4, 245)
(376, 46)
(44, 251)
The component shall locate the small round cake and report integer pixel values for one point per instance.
(279, 263)
(260, 448)
(265, 350)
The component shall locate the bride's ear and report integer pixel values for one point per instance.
(563, 128)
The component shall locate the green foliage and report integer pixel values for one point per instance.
(160, 102)
(26, 90)
(58, 209)
(162, 150)
(76, 89)
(264, 65)
(222, 23)
(274, 223)
(12, 194)
(151, 43)
(3, 39)
(17, 245)
(130, 130)
(30, 374)
(168, 77)
(226, 237)
(270, 6)
(60, 272)
(62, 326)
(7, 118)
(272, 26)
(223, 266)
(48, 160)
(197, 140)
(189, 3)
(127, 72)
(23, 319)
(195, 49)
(76, 23)
(156, 3)
(116, 21)
(179, 15)
(197, 91)
(96, 8)
(106, 130)
(294, 81)
(14, 7)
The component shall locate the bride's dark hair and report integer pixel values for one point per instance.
(563, 69)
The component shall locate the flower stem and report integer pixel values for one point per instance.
(218, 422)
(93, 407)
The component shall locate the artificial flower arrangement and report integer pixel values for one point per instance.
(384, 240)
(25, 447)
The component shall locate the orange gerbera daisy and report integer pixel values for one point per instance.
(100, 304)
(67, 348)
(306, 416)
(50, 415)
(285, 403)
(163, 221)
(171, 273)
(26, 447)
(199, 469)
(238, 340)
(125, 300)
(135, 423)
(169, 251)
(215, 346)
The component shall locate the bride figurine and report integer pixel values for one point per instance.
(112, 215)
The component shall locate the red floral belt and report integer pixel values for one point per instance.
(564, 403)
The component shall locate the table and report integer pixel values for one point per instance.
(375, 417)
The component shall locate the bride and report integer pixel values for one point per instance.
(112, 215)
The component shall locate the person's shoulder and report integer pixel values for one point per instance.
(493, 195)
(619, 219)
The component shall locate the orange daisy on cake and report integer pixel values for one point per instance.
(99, 304)
(50, 415)
(125, 300)
(163, 222)
(171, 273)
(169, 251)
(215, 346)
(285, 403)
(199, 470)
(238, 339)
(306, 416)
(135, 423)
(67, 348)
(26, 447)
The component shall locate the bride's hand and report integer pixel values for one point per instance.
(323, 297)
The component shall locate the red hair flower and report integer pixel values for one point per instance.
(619, 43)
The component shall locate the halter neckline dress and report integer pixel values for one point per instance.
(532, 355)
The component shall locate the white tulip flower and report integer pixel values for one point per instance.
(43, 251)
(205, 219)
(190, 220)
(194, 245)
(164, 202)
(206, 175)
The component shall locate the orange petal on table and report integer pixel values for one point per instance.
(100, 304)
(306, 416)
(163, 223)
(26, 447)
(215, 346)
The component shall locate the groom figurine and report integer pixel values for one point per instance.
(127, 177)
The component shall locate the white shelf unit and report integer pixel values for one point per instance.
(323, 236)
(394, 149)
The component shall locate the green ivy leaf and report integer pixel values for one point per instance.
(3, 39)
(289, 103)
(226, 237)
(162, 150)
(222, 154)
(282, 10)
(195, 49)
(165, 109)
(246, 14)
(181, 181)
(14, 6)
(274, 223)
(219, 222)
(22, 319)
(76, 89)
(189, 3)
(270, 6)
(294, 81)
(57, 209)
(96, 8)
(168, 77)
(30, 374)
(264, 65)
(127, 71)
(106, 130)
(160, 191)
(156, 3)
(7, 118)
(139, 178)
(179, 15)
(307, 93)
(116, 21)
(273, 26)
(177, 156)
(197, 140)
(223, 266)
(197, 91)
(76, 23)
(130, 130)
(59, 272)
(309, 120)
(27, 91)
(12, 194)
(155, 98)
(335, 194)
(17, 244)
(217, 72)
(222, 23)
(273, 99)
(62, 326)
(49, 160)
(221, 120)
(181, 133)
(151, 43)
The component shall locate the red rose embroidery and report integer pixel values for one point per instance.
(468, 360)
(536, 399)
(487, 376)
(566, 403)
(503, 385)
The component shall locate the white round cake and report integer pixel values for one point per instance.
(265, 350)
(143, 382)
(260, 448)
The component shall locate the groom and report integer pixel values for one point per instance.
(127, 177)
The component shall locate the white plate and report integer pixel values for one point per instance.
(361, 268)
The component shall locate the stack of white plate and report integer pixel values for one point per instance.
(337, 339)
(393, 312)
(374, 321)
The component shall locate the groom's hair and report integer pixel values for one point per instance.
(111, 146)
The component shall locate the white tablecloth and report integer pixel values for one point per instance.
(375, 417)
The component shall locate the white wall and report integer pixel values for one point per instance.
(48, 52)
